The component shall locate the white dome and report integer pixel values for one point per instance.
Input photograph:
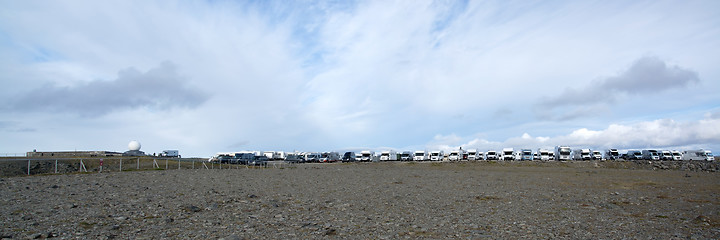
(134, 145)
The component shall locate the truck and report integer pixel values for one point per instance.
(612, 154)
(698, 155)
(508, 154)
(562, 153)
(581, 154)
(491, 155)
(472, 155)
(649, 154)
(420, 156)
(436, 156)
(170, 153)
(526, 155)
(634, 155)
(543, 154)
(597, 155)
(388, 156)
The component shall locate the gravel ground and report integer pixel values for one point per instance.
(367, 201)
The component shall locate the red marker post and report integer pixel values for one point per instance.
(101, 163)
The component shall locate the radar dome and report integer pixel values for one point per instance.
(134, 145)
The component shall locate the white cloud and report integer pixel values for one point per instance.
(661, 133)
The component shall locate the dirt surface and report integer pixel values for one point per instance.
(370, 200)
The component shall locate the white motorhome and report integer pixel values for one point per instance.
(170, 153)
(612, 154)
(677, 155)
(508, 154)
(480, 156)
(651, 154)
(366, 156)
(472, 154)
(581, 154)
(388, 156)
(491, 155)
(551, 155)
(436, 156)
(698, 155)
(406, 156)
(562, 153)
(597, 155)
(420, 156)
(543, 154)
(454, 155)
(666, 155)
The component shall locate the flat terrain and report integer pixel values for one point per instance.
(369, 200)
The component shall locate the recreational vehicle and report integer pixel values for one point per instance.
(348, 157)
(612, 154)
(581, 154)
(491, 155)
(406, 156)
(472, 154)
(388, 156)
(562, 153)
(677, 156)
(436, 156)
(312, 157)
(526, 155)
(454, 155)
(633, 155)
(698, 155)
(170, 153)
(597, 155)
(543, 154)
(650, 155)
(508, 154)
(366, 156)
(666, 155)
(420, 156)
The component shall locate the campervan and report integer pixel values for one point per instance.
(543, 154)
(406, 156)
(420, 156)
(562, 153)
(526, 155)
(612, 154)
(436, 156)
(666, 155)
(581, 154)
(698, 155)
(633, 155)
(366, 156)
(597, 155)
(348, 157)
(472, 154)
(388, 156)
(454, 155)
(491, 155)
(170, 153)
(677, 156)
(650, 155)
(508, 154)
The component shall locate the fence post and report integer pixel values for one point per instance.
(138, 163)
(166, 164)
(178, 163)
(121, 164)
(28, 167)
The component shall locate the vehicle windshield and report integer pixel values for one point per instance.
(676, 154)
(453, 154)
(637, 153)
(420, 154)
(543, 153)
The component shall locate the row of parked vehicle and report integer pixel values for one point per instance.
(560, 153)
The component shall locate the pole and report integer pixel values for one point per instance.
(166, 164)
(121, 164)
(28, 167)
(138, 163)
(55, 165)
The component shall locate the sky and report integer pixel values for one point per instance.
(215, 76)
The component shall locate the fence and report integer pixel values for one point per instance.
(33, 166)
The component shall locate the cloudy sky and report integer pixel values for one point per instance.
(216, 76)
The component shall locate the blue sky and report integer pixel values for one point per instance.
(217, 76)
